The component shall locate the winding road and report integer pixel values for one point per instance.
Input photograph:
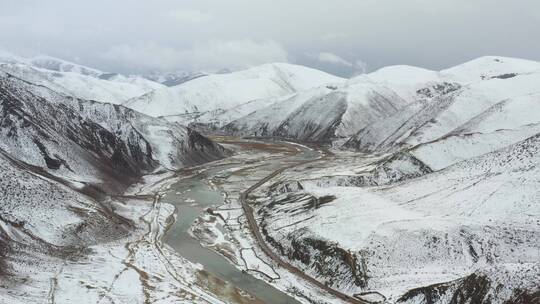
(254, 227)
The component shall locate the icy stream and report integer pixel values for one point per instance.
(191, 197)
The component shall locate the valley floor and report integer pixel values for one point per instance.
(311, 214)
(142, 268)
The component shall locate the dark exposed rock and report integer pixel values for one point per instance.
(52, 163)
(525, 297)
(55, 125)
(438, 89)
(332, 263)
(199, 149)
(4, 250)
(471, 289)
(285, 187)
(505, 76)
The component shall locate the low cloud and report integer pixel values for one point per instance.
(356, 67)
(177, 34)
(332, 58)
(210, 56)
(361, 67)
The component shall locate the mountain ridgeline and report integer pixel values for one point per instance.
(430, 194)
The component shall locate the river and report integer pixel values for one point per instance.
(193, 195)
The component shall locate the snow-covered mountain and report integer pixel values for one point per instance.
(485, 112)
(219, 92)
(430, 194)
(323, 113)
(61, 160)
(384, 106)
(76, 80)
(448, 214)
(437, 203)
(88, 140)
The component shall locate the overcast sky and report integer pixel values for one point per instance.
(339, 36)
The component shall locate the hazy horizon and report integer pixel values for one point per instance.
(342, 37)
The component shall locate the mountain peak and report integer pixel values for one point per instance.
(60, 65)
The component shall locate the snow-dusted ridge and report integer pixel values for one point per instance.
(322, 114)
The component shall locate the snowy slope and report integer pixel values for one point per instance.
(59, 65)
(225, 91)
(266, 121)
(392, 107)
(41, 211)
(408, 80)
(405, 80)
(490, 67)
(320, 114)
(503, 124)
(479, 215)
(7, 57)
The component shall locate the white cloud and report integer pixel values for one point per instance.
(360, 66)
(211, 55)
(356, 67)
(328, 57)
(414, 35)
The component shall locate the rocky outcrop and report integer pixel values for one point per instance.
(475, 288)
(331, 264)
(334, 265)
